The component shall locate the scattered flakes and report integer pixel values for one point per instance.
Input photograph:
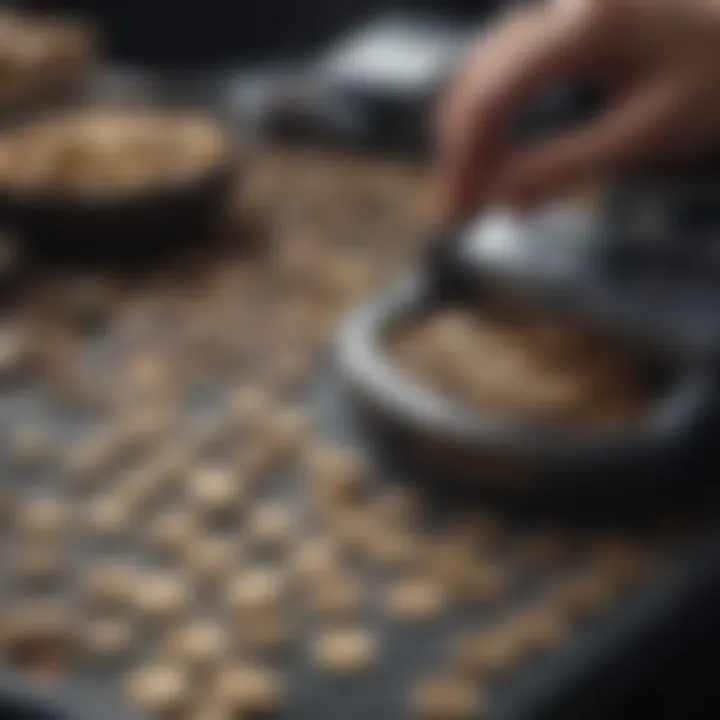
(445, 697)
(486, 654)
(345, 651)
(197, 646)
(108, 639)
(174, 531)
(265, 631)
(107, 517)
(159, 689)
(250, 690)
(211, 559)
(256, 589)
(217, 492)
(43, 517)
(336, 596)
(163, 596)
(111, 585)
(539, 629)
(336, 472)
(416, 599)
(271, 524)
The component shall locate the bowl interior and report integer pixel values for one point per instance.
(531, 366)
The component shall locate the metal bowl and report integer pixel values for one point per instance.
(462, 448)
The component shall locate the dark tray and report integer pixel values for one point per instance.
(587, 664)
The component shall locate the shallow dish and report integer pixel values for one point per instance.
(488, 453)
(120, 219)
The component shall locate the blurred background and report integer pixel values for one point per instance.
(320, 225)
(217, 34)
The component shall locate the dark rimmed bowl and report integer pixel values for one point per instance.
(461, 448)
(129, 224)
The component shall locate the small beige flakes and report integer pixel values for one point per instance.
(111, 585)
(211, 559)
(397, 506)
(213, 710)
(265, 631)
(108, 516)
(290, 369)
(255, 590)
(271, 524)
(467, 578)
(174, 531)
(198, 646)
(416, 599)
(163, 596)
(352, 527)
(158, 689)
(258, 459)
(43, 517)
(393, 550)
(251, 406)
(251, 689)
(170, 462)
(140, 426)
(345, 651)
(488, 654)
(444, 697)
(38, 563)
(336, 472)
(108, 638)
(139, 487)
(288, 428)
(206, 431)
(215, 491)
(313, 559)
(336, 596)
(88, 459)
(147, 376)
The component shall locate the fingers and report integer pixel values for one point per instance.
(636, 127)
(528, 51)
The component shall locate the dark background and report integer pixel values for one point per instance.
(220, 33)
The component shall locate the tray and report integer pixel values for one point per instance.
(199, 322)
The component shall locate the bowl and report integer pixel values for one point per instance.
(68, 210)
(443, 441)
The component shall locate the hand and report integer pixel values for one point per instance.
(658, 60)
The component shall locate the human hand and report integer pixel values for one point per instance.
(657, 61)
